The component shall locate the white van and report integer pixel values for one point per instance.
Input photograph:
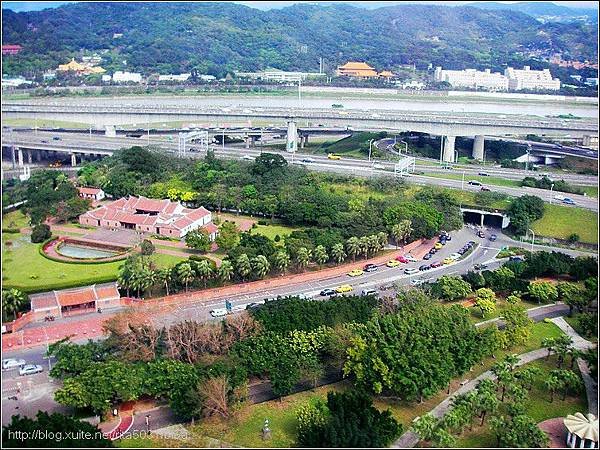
(369, 292)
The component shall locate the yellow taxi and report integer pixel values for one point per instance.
(355, 273)
(438, 246)
(343, 288)
(334, 156)
(448, 261)
(393, 263)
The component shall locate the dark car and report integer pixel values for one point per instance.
(427, 256)
(516, 258)
(448, 237)
(462, 251)
(480, 266)
(44, 141)
(370, 268)
(485, 189)
(481, 234)
(432, 251)
(424, 267)
(471, 243)
(326, 292)
(56, 138)
(493, 237)
(435, 264)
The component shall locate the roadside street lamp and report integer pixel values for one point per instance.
(370, 148)
(551, 187)
(532, 239)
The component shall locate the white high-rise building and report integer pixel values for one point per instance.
(531, 79)
(471, 78)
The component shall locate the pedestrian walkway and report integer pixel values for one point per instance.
(122, 428)
(411, 439)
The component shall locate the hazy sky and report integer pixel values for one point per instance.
(35, 6)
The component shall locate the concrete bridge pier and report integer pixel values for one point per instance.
(13, 157)
(110, 131)
(29, 156)
(73, 160)
(448, 155)
(292, 137)
(20, 157)
(38, 156)
(478, 147)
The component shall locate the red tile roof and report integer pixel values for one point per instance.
(76, 296)
(211, 228)
(89, 190)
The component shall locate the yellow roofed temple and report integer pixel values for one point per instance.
(386, 74)
(356, 69)
(80, 69)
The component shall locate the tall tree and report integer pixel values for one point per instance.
(185, 274)
(337, 252)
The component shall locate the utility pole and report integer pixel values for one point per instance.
(551, 187)
(299, 92)
(527, 161)
(370, 147)
(532, 238)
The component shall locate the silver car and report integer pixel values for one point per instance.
(30, 369)
(12, 363)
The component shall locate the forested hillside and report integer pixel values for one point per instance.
(220, 37)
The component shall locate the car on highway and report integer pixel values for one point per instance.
(379, 166)
(248, 158)
(411, 270)
(485, 189)
(56, 138)
(568, 201)
(474, 183)
(410, 258)
(484, 174)
(427, 256)
(447, 261)
(307, 160)
(343, 288)
(355, 273)
(44, 141)
(326, 292)
(370, 268)
(393, 263)
(417, 282)
(219, 312)
(493, 237)
(438, 246)
(11, 363)
(255, 304)
(436, 265)
(30, 369)
(480, 266)
(334, 156)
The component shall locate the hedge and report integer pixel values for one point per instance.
(11, 230)
(62, 284)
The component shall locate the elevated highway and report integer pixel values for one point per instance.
(448, 125)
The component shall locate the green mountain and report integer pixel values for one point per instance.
(219, 37)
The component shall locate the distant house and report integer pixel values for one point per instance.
(162, 217)
(172, 77)
(124, 77)
(94, 194)
(11, 49)
(357, 70)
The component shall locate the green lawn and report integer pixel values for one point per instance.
(592, 191)
(15, 219)
(23, 267)
(538, 406)
(44, 123)
(562, 221)
(273, 230)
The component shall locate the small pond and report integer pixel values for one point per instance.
(83, 252)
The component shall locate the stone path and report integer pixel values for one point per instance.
(411, 439)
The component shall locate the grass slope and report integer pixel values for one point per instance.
(562, 221)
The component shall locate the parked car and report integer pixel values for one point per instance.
(516, 258)
(393, 263)
(326, 292)
(401, 259)
(417, 282)
(219, 312)
(454, 256)
(433, 251)
(343, 288)
(448, 237)
(369, 292)
(355, 273)
(427, 256)
(11, 363)
(436, 264)
(410, 258)
(493, 237)
(481, 234)
(448, 261)
(411, 271)
(480, 266)
(255, 304)
(424, 267)
(438, 245)
(370, 268)
(30, 369)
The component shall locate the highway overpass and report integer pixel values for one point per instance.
(448, 125)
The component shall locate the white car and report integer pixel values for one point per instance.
(410, 258)
(248, 158)
(219, 312)
(379, 166)
(11, 363)
(411, 270)
(238, 308)
(454, 256)
(30, 369)
(417, 282)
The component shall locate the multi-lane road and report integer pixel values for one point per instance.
(70, 142)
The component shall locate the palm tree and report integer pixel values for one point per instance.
(185, 274)
(225, 271)
(243, 266)
(302, 258)
(150, 279)
(374, 243)
(364, 246)
(383, 240)
(337, 252)
(165, 276)
(12, 301)
(204, 271)
(282, 261)
(353, 247)
(320, 255)
(261, 266)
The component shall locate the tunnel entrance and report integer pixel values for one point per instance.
(489, 220)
